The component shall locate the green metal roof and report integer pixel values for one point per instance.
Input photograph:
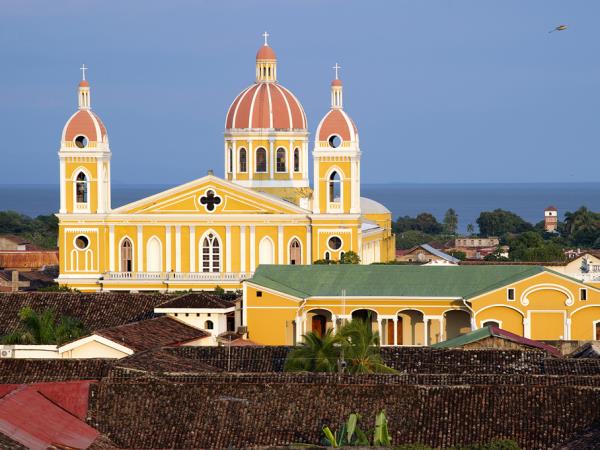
(389, 280)
(459, 341)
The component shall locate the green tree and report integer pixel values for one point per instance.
(43, 328)
(41, 231)
(315, 353)
(424, 222)
(582, 227)
(408, 239)
(350, 257)
(361, 348)
(500, 222)
(530, 246)
(450, 221)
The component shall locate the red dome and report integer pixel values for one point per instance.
(84, 122)
(266, 52)
(336, 82)
(266, 105)
(84, 83)
(337, 122)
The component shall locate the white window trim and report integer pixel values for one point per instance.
(239, 161)
(256, 160)
(481, 322)
(133, 261)
(285, 160)
(201, 247)
(581, 290)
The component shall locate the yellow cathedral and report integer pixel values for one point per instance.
(216, 231)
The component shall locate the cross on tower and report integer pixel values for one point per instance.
(83, 69)
(266, 36)
(210, 200)
(336, 68)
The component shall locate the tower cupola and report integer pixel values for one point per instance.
(266, 63)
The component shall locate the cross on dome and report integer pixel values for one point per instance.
(83, 69)
(337, 67)
(266, 36)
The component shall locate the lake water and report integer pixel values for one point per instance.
(526, 199)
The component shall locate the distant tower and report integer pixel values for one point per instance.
(550, 219)
(84, 160)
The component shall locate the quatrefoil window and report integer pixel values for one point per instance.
(210, 200)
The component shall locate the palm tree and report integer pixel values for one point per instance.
(361, 348)
(43, 328)
(316, 353)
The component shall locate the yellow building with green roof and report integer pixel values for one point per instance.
(418, 305)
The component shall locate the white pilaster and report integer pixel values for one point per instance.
(304, 156)
(192, 248)
(298, 321)
(567, 333)
(317, 183)
(334, 323)
(168, 248)
(235, 159)
(178, 248)
(271, 158)
(111, 248)
(425, 330)
(380, 328)
(290, 160)
(250, 161)
(252, 248)
(140, 249)
(63, 187)
(308, 245)
(395, 319)
(280, 253)
(526, 329)
(100, 186)
(242, 248)
(227, 248)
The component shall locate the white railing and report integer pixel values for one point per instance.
(590, 276)
(334, 206)
(177, 276)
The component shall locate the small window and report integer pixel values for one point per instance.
(335, 141)
(81, 141)
(82, 242)
(259, 293)
(327, 256)
(280, 160)
(187, 314)
(208, 325)
(297, 160)
(510, 294)
(334, 243)
(261, 160)
(230, 160)
(491, 323)
(243, 160)
(81, 188)
(583, 294)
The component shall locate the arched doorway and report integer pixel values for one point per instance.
(367, 315)
(126, 256)
(319, 321)
(154, 255)
(491, 323)
(458, 322)
(295, 252)
(411, 322)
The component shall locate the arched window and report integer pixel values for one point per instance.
(261, 160)
(230, 160)
(327, 256)
(243, 160)
(266, 251)
(280, 159)
(126, 256)
(211, 254)
(208, 325)
(492, 323)
(297, 160)
(154, 255)
(295, 252)
(81, 188)
(334, 186)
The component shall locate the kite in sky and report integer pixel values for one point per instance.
(559, 28)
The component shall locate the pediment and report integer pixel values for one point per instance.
(210, 195)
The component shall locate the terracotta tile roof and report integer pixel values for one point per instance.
(28, 259)
(152, 333)
(161, 360)
(95, 310)
(199, 300)
(18, 371)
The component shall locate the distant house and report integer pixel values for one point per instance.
(475, 247)
(585, 267)
(424, 254)
(17, 253)
(550, 219)
(491, 336)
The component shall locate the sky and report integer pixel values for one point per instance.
(441, 90)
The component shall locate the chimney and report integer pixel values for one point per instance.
(15, 281)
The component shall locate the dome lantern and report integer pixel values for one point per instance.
(266, 63)
(84, 91)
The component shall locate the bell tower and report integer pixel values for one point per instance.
(336, 159)
(84, 158)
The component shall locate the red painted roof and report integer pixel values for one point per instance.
(266, 52)
(266, 105)
(336, 121)
(37, 416)
(84, 122)
(551, 208)
(337, 82)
